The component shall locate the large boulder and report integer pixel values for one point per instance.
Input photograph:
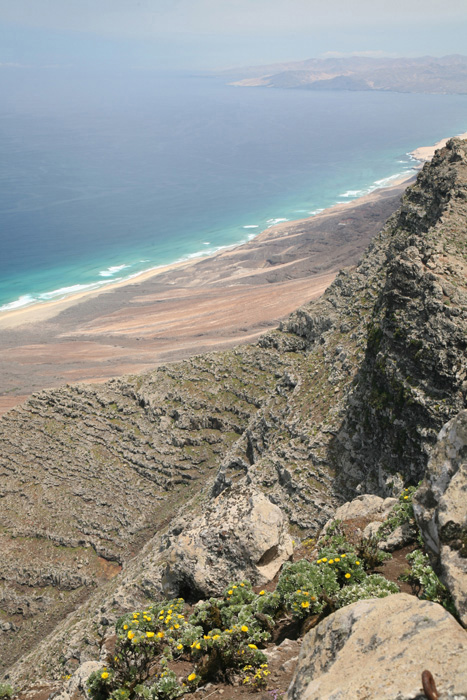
(440, 507)
(366, 507)
(378, 649)
(241, 535)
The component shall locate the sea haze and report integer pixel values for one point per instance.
(99, 184)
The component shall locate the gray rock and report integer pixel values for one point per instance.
(365, 506)
(402, 536)
(440, 507)
(77, 685)
(378, 649)
(241, 535)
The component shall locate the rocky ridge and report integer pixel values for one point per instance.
(346, 397)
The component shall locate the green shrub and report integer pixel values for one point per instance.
(6, 691)
(370, 554)
(335, 539)
(424, 582)
(301, 586)
(401, 513)
(220, 638)
(373, 586)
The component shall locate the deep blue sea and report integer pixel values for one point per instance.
(160, 169)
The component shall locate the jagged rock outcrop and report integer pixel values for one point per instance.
(413, 375)
(440, 507)
(379, 648)
(241, 535)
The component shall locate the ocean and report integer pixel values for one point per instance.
(98, 186)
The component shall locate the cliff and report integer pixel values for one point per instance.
(346, 397)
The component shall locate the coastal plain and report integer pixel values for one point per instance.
(188, 308)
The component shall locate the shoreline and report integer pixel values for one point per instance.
(45, 310)
(426, 153)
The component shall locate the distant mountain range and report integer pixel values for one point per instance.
(445, 75)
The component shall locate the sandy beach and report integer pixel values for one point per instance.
(426, 153)
(183, 309)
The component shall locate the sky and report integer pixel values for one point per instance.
(218, 34)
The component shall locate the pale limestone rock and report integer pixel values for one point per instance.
(440, 507)
(366, 506)
(400, 537)
(77, 685)
(240, 535)
(378, 649)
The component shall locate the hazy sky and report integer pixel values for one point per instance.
(204, 34)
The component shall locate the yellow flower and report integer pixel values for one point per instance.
(176, 626)
(198, 646)
(216, 636)
(305, 604)
(337, 559)
(135, 615)
(299, 590)
(405, 498)
(244, 628)
(331, 561)
(160, 635)
(242, 585)
(179, 646)
(347, 576)
(149, 634)
(246, 680)
(343, 555)
(357, 563)
(125, 627)
(104, 675)
(192, 676)
(252, 646)
(319, 561)
(131, 634)
(234, 586)
(230, 592)
(312, 597)
(324, 559)
(169, 612)
(261, 593)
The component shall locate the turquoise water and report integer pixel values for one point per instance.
(161, 169)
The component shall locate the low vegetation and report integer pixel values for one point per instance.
(222, 639)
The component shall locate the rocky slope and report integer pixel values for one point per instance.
(346, 397)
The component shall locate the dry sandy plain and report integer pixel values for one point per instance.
(217, 302)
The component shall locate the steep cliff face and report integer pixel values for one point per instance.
(346, 397)
(413, 375)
